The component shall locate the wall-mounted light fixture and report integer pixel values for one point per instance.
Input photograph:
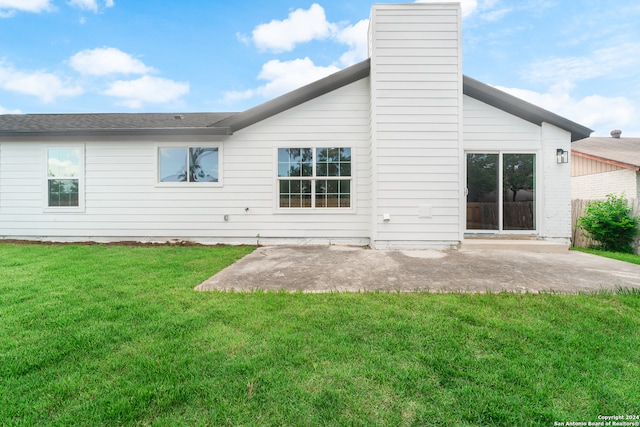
(562, 156)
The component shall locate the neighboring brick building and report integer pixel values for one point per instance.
(602, 166)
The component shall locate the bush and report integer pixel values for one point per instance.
(609, 222)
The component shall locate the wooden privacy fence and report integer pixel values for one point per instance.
(577, 234)
(517, 215)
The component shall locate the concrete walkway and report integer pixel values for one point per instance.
(350, 269)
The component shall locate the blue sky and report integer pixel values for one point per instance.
(578, 58)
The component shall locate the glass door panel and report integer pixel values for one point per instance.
(501, 193)
(483, 191)
(518, 191)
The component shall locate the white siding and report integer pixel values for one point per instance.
(487, 128)
(123, 200)
(416, 97)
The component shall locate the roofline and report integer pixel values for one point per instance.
(473, 88)
(116, 132)
(296, 97)
(523, 109)
(605, 160)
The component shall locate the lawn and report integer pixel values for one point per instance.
(113, 335)
(631, 258)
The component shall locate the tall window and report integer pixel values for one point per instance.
(63, 177)
(314, 177)
(188, 164)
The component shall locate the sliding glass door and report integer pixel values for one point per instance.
(501, 192)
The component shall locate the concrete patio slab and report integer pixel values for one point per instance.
(354, 269)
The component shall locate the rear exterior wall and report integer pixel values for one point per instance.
(123, 200)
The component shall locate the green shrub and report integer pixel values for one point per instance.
(609, 222)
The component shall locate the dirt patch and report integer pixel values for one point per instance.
(115, 243)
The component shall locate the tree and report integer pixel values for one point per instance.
(482, 171)
(518, 173)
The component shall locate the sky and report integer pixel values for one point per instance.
(577, 58)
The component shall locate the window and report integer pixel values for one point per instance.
(64, 172)
(314, 178)
(188, 164)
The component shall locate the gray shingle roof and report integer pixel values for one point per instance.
(520, 108)
(624, 151)
(35, 123)
(297, 96)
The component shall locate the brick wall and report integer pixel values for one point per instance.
(556, 193)
(598, 185)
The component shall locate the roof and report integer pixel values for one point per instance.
(228, 123)
(297, 97)
(63, 124)
(624, 152)
(523, 109)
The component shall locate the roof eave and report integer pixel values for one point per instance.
(185, 131)
(229, 125)
(523, 109)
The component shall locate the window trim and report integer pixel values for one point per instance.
(81, 179)
(187, 145)
(313, 178)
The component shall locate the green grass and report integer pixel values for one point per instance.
(632, 258)
(109, 335)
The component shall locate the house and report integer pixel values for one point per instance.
(398, 151)
(602, 166)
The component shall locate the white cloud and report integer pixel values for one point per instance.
(496, 15)
(600, 113)
(10, 7)
(354, 36)
(283, 77)
(147, 90)
(91, 5)
(243, 38)
(567, 71)
(46, 86)
(468, 6)
(301, 26)
(599, 68)
(107, 60)
(8, 111)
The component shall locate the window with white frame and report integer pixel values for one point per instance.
(188, 164)
(314, 177)
(64, 177)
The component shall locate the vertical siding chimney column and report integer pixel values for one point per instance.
(416, 124)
